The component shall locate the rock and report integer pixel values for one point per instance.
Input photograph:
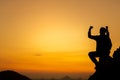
(108, 68)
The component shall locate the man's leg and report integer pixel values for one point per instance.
(92, 56)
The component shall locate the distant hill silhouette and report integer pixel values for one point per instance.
(12, 75)
(108, 68)
(66, 78)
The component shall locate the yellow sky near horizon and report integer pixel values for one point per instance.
(51, 35)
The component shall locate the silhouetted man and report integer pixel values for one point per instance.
(103, 44)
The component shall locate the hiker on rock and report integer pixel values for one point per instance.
(103, 44)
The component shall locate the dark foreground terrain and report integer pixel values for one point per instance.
(108, 68)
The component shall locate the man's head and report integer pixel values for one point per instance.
(102, 31)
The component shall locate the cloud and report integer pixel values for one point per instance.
(38, 54)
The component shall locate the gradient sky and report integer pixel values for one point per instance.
(50, 36)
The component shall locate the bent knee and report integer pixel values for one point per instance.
(90, 54)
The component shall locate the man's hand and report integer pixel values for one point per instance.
(89, 32)
(91, 27)
(107, 27)
(107, 32)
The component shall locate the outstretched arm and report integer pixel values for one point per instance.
(89, 32)
(107, 32)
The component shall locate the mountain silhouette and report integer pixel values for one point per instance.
(108, 68)
(12, 75)
(66, 78)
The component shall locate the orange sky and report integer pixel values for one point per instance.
(51, 35)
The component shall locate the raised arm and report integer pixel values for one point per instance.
(107, 32)
(89, 32)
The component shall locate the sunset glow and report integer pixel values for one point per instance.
(51, 35)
